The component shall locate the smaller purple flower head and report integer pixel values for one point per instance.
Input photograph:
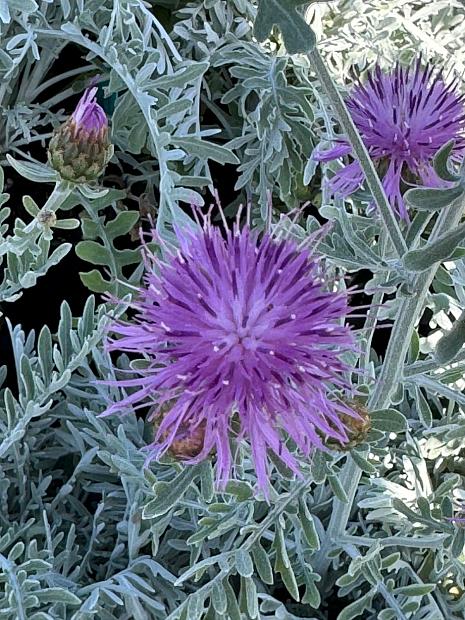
(242, 339)
(89, 116)
(404, 118)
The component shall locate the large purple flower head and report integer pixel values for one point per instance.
(404, 118)
(238, 324)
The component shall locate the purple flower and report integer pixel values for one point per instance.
(88, 116)
(238, 324)
(404, 118)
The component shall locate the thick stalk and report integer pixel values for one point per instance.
(360, 152)
(60, 193)
(407, 316)
(369, 328)
(391, 372)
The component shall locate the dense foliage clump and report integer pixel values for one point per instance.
(179, 272)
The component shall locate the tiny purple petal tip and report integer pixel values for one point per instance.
(89, 115)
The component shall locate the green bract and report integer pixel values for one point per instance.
(77, 157)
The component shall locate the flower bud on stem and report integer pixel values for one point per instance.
(80, 149)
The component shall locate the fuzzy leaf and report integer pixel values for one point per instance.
(388, 420)
(423, 409)
(262, 563)
(26, 6)
(308, 526)
(244, 563)
(434, 252)
(451, 343)
(123, 223)
(219, 599)
(168, 494)
(416, 589)
(298, 37)
(182, 76)
(425, 199)
(38, 173)
(356, 609)
(205, 150)
(93, 252)
(441, 162)
(94, 281)
(362, 462)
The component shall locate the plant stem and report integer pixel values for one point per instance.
(360, 152)
(407, 316)
(60, 193)
(370, 326)
(390, 375)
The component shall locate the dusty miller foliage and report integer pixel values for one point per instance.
(85, 530)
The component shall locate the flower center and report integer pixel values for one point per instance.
(244, 339)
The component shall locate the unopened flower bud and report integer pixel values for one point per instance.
(189, 441)
(47, 218)
(357, 428)
(80, 149)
